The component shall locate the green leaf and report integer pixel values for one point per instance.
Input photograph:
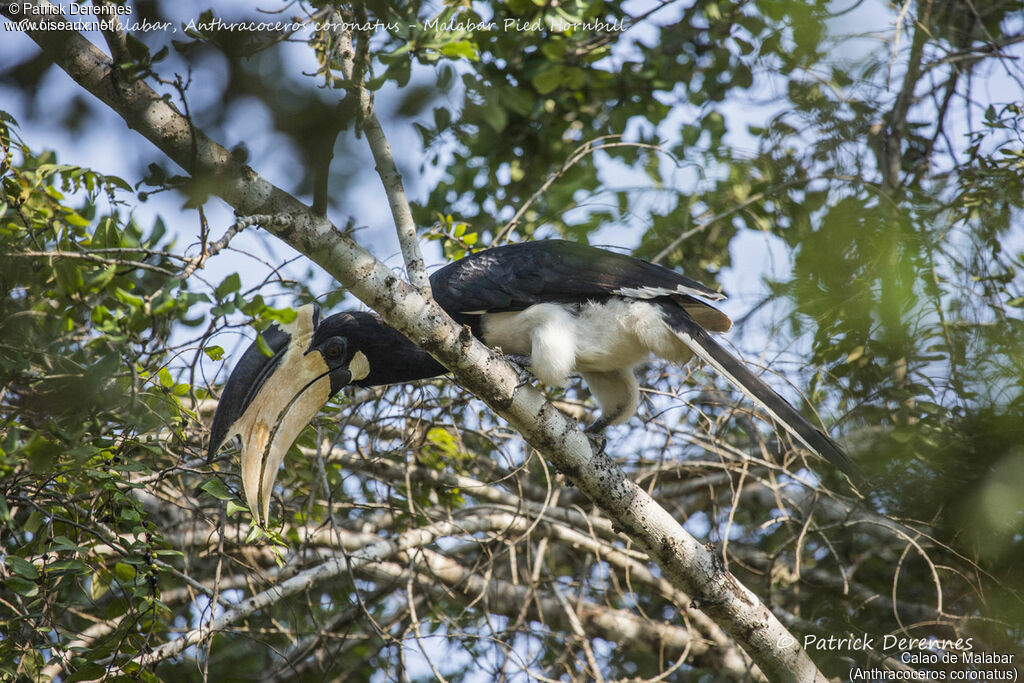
(118, 183)
(21, 586)
(62, 543)
(574, 78)
(102, 278)
(127, 297)
(442, 118)
(232, 283)
(67, 567)
(34, 522)
(255, 533)
(461, 48)
(281, 315)
(263, 346)
(31, 665)
(76, 220)
(856, 353)
(125, 573)
(88, 672)
(100, 583)
(69, 276)
(214, 352)
(215, 487)
(234, 507)
(745, 47)
(21, 567)
(496, 115)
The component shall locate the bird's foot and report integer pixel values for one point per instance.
(595, 434)
(521, 364)
(597, 441)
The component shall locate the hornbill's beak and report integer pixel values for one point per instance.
(269, 399)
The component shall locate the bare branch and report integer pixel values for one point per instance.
(92, 257)
(238, 226)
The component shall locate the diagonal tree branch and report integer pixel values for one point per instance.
(685, 562)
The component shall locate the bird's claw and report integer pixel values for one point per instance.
(595, 434)
(521, 364)
(597, 440)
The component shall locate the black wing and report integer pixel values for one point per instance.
(516, 276)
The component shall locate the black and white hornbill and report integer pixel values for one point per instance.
(568, 307)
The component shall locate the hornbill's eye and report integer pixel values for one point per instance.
(334, 349)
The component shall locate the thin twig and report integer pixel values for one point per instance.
(581, 152)
(93, 258)
(215, 248)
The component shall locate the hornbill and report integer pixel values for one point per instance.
(567, 307)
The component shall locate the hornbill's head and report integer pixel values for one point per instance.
(268, 399)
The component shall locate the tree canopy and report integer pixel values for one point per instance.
(429, 530)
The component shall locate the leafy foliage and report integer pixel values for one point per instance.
(90, 411)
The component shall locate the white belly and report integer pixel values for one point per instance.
(601, 341)
(593, 337)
